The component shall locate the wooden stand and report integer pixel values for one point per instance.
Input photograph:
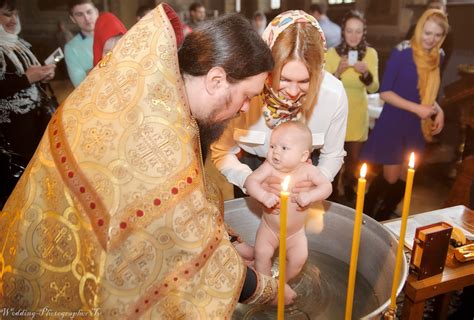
(454, 277)
(440, 286)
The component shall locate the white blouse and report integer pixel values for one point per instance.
(249, 132)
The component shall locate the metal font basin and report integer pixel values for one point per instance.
(322, 284)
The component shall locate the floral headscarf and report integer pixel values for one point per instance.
(286, 19)
(277, 108)
(343, 48)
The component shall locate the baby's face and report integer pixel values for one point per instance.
(287, 150)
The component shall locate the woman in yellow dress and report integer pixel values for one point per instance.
(356, 64)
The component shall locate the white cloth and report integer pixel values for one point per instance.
(250, 133)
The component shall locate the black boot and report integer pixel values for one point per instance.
(375, 195)
(393, 197)
(349, 194)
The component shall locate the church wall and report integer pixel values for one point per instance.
(39, 19)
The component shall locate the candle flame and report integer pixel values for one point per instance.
(411, 164)
(285, 183)
(363, 170)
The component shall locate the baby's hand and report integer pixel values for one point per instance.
(303, 199)
(270, 200)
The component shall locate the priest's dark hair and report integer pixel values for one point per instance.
(8, 4)
(228, 42)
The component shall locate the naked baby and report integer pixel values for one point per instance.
(290, 148)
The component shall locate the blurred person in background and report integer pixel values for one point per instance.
(78, 52)
(142, 11)
(448, 43)
(108, 31)
(331, 30)
(259, 22)
(358, 76)
(409, 89)
(23, 117)
(197, 14)
(63, 36)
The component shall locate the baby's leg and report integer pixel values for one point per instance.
(296, 253)
(265, 245)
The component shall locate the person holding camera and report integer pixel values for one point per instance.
(23, 111)
(356, 64)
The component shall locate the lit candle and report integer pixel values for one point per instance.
(403, 228)
(355, 241)
(284, 194)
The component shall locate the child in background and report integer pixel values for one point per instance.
(108, 31)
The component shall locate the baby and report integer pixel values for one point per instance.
(290, 148)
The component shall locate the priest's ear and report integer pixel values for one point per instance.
(216, 80)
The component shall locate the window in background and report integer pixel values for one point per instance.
(340, 1)
(275, 4)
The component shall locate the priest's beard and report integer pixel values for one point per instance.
(210, 129)
(209, 132)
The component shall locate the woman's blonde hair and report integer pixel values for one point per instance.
(441, 20)
(300, 41)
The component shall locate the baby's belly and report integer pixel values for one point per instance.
(295, 220)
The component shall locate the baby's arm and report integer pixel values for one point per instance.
(253, 185)
(322, 190)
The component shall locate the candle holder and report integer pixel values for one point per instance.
(389, 314)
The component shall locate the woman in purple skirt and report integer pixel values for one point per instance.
(409, 88)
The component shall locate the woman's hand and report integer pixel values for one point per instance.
(438, 122)
(272, 184)
(303, 199)
(301, 187)
(343, 65)
(361, 67)
(51, 72)
(425, 112)
(40, 73)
